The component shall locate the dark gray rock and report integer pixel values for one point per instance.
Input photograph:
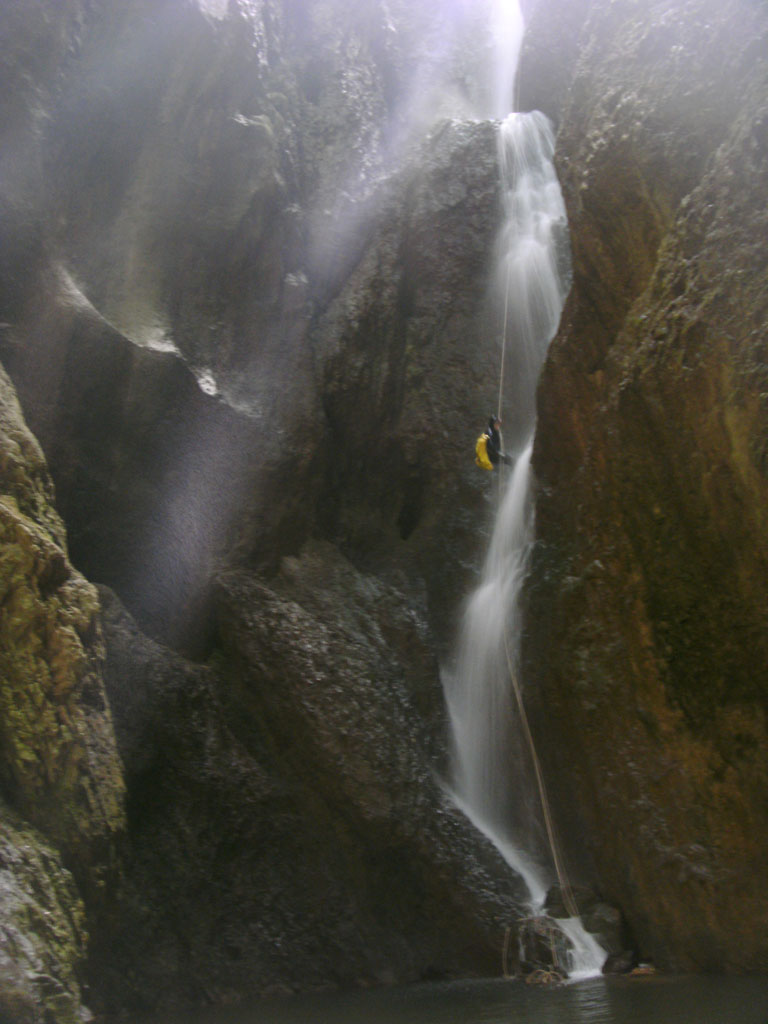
(560, 904)
(620, 963)
(543, 947)
(287, 830)
(607, 925)
(602, 920)
(154, 476)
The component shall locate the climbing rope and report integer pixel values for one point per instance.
(500, 475)
(503, 347)
(565, 887)
(505, 955)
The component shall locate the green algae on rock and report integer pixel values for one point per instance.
(59, 767)
(43, 926)
(59, 764)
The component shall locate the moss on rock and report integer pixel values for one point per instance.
(59, 767)
(58, 762)
(43, 929)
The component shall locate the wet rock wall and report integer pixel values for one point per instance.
(245, 300)
(647, 632)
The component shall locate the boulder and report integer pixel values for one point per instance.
(559, 903)
(607, 925)
(620, 963)
(601, 919)
(543, 947)
(287, 830)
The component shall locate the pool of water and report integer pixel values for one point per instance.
(647, 1000)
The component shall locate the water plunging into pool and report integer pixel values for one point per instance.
(496, 780)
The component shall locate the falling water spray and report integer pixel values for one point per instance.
(496, 776)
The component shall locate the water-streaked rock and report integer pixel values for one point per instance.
(650, 568)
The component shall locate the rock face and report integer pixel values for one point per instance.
(257, 217)
(244, 313)
(286, 831)
(59, 767)
(43, 929)
(650, 569)
(243, 283)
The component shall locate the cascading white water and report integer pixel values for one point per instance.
(529, 286)
(493, 761)
(489, 759)
(490, 756)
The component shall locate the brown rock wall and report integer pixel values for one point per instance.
(648, 635)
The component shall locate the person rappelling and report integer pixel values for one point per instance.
(488, 453)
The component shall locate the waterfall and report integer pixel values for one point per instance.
(494, 763)
(489, 756)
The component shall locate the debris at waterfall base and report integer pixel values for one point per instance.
(543, 950)
(642, 971)
(542, 977)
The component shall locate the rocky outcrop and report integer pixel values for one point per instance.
(154, 475)
(247, 299)
(59, 767)
(403, 353)
(650, 459)
(287, 829)
(258, 302)
(42, 923)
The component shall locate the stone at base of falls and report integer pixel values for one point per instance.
(620, 963)
(607, 925)
(581, 896)
(605, 922)
(543, 947)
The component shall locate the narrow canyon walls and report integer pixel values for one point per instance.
(647, 631)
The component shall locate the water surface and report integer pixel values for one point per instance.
(648, 1000)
